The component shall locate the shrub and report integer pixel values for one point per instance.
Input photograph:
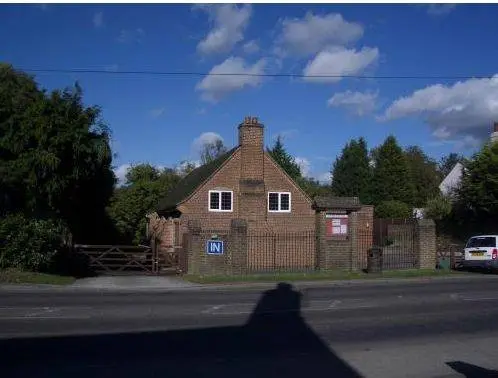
(438, 208)
(29, 244)
(393, 209)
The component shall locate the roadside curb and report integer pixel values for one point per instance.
(73, 288)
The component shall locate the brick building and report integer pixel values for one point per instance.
(266, 219)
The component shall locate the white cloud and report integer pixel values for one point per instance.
(440, 9)
(339, 62)
(205, 138)
(359, 103)
(312, 33)
(324, 178)
(128, 36)
(214, 87)
(98, 19)
(465, 110)
(121, 172)
(251, 47)
(158, 112)
(229, 23)
(304, 164)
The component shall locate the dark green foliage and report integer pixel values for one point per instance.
(393, 209)
(351, 172)
(284, 159)
(145, 187)
(55, 157)
(313, 187)
(391, 176)
(424, 176)
(30, 244)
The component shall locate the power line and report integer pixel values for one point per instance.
(288, 75)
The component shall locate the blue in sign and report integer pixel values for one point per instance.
(214, 247)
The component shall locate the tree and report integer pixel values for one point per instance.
(424, 175)
(479, 186)
(284, 159)
(212, 150)
(437, 208)
(393, 209)
(145, 186)
(55, 156)
(313, 187)
(391, 176)
(351, 172)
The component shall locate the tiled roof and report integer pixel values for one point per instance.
(191, 182)
(331, 202)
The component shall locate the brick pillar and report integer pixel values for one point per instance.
(238, 246)
(194, 247)
(353, 236)
(425, 243)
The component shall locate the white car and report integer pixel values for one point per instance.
(481, 252)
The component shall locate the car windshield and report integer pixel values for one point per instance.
(481, 242)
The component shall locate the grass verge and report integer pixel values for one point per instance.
(13, 276)
(319, 276)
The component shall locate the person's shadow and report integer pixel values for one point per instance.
(275, 341)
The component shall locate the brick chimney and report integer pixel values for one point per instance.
(494, 134)
(252, 200)
(252, 151)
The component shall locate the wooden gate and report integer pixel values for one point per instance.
(120, 259)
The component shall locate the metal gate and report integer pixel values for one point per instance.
(396, 237)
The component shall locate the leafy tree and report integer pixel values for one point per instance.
(145, 186)
(284, 159)
(448, 162)
(479, 186)
(393, 209)
(313, 187)
(351, 172)
(212, 150)
(424, 175)
(185, 167)
(55, 156)
(391, 175)
(437, 208)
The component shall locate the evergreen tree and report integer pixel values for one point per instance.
(391, 175)
(284, 159)
(351, 172)
(424, 175)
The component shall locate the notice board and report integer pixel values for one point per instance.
(337, 224)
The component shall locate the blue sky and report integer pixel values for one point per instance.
(161, 119)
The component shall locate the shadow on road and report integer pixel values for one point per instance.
(472, 371)
(275, 341)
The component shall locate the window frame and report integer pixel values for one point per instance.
(279, 202)
(220, 191)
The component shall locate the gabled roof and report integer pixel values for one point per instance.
(189, 184)
(452, 180)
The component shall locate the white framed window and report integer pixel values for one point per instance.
(220, 200)
(279, 202)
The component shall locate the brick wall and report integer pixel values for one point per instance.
(337, 252)
(425, 243)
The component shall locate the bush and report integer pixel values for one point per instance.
(393, 209)
(438, 208)
(29, 244)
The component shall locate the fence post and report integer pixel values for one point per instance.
(425, 243)
(238, 245)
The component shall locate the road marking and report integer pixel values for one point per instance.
(211, 309)
(41, 312)
(480, 299)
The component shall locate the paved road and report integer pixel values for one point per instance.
(446, 328)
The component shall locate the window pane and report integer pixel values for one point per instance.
(284, 201)
(215, 201)
(226, 201)
(482, 242)
(273, 201)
